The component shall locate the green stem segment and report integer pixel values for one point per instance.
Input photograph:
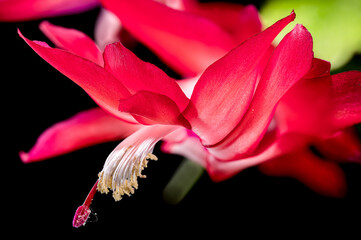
(182, 181)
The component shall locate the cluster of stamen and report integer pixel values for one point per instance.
(124, 166)
(122, 169)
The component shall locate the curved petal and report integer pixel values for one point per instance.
(187, 145)
(323, 177)
(241, 22)
(335, 105)
(73, 41)
(346, 99)
(290, 61)
(272, 146)
(334, 25)
(343, 146)
(153, 108)
(320, 68)
(313, 90)
(21, 10)
(86, 128)
(97, 82)
(224, 91)
(294, 112)
(138, 75)
(189, 47)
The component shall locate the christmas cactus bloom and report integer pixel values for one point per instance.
(320, 135)
(213, 13)
(225, 122)
(149, 29)
(185, 34)
(22, 10)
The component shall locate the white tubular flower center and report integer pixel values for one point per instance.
(125, 164)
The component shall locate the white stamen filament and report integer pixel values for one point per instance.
(125, 164)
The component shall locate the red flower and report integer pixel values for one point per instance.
(83, 46)
(147, 27)
(227, 124)
(21, 10)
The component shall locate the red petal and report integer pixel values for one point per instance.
(294, 112)
(346, 99)
(187, 145)
(320, 68)
(87, 128)
(290, 61)
(137, 75)
(21, 10)
(153, 108)
(307, 115)
(323, 177)
(224, 91)
(343, 146)
(73, 41)
(271, 146)
(98, 83)
(189, 47)
(241, 22)
(335, 104)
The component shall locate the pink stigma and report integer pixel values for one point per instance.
(81, 216)
(82, 212)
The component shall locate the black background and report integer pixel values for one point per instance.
(41, 198)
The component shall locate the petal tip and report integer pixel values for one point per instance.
(300, 27)
(20, 34)
(44, 24)
(24, 157)
(293, 14)
(166, 147)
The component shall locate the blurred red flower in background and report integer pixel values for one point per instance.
(23, 10)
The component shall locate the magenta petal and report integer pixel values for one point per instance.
(153, 108)
(272, 146)
(73, 41)
(188, 145)
(323, 177)
(187, 42)
(346, 99)
(295, 114)
(335, 102)
(138, 75)
(343, 146)
(87, 128)
(21, 10)
(97, 82)
(241, 22)
(320, 68)
(290, 61)
(224, 91)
